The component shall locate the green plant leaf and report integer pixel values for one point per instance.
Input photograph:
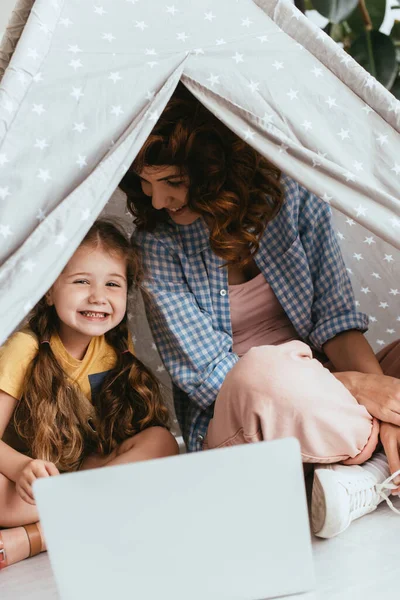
(384, 53)
(337, 32)
(335, 10)
(376, 9)
(395, 33)
(395, 89)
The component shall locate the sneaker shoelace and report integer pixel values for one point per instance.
(364, 497)
(387, 486)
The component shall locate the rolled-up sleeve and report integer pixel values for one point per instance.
(195, 354)
(333, 309)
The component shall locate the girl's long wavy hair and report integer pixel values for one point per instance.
(58, 423)
(235, 189)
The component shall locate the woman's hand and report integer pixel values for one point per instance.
(390, 438)
(380, 394)
(33, 470)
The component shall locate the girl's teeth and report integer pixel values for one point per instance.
(92, 314)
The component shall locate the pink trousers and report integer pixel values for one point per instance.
(281, 391)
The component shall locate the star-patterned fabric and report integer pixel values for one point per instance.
(84, 83)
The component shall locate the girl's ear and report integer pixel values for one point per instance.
(49, 297)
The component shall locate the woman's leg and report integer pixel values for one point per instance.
(281, 391)
(341, 493)
(154, 442)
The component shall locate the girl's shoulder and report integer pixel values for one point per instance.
(21, 342)
(16, 356)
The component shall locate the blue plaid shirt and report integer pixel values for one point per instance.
(188, 309)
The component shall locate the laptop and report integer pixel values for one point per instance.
(225, 524)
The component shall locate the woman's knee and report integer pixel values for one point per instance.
(283, 378)
(266, 370)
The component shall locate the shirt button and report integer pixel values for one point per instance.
(200, 438)
(222, 293)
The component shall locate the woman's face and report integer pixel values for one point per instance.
(168, 190)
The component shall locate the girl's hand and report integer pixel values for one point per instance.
(390, 438)
(33, 470)
(380, 394)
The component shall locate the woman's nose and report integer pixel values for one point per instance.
(159, 199)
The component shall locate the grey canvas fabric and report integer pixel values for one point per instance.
(13, 33)
(87, 81)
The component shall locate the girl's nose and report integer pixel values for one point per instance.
(97, 296)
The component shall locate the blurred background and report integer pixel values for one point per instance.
(366, 29)
(5, 11)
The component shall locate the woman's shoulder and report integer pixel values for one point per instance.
(296, 193)
(300, 202)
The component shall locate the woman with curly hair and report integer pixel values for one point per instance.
(245, 281)
(72, 393)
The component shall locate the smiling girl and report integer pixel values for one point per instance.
(72, 394)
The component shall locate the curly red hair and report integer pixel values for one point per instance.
(235, 189)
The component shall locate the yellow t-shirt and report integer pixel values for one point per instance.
(20, 349)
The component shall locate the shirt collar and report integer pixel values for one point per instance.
(194, 237)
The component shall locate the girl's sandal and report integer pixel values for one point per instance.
(35, 544)
(3, 555)
(35, 539)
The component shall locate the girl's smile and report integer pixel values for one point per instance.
(94, 315)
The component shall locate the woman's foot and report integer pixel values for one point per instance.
(343, 493)
(16, 546)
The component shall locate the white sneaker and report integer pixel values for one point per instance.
(343, 493)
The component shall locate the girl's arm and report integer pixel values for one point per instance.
(11, 461)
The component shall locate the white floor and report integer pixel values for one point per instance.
(363, 563)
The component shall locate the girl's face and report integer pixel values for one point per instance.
(90, 295)
(168, 190)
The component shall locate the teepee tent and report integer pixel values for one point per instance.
(84, 83)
